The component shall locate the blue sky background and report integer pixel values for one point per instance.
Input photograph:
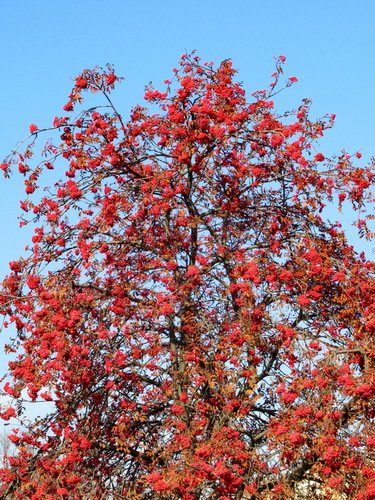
(329, 45)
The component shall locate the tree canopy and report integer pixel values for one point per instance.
(203, 331)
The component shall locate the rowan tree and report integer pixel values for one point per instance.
(203, 331)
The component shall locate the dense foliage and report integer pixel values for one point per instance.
(203, 332)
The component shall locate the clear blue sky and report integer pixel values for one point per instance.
(329, 45)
